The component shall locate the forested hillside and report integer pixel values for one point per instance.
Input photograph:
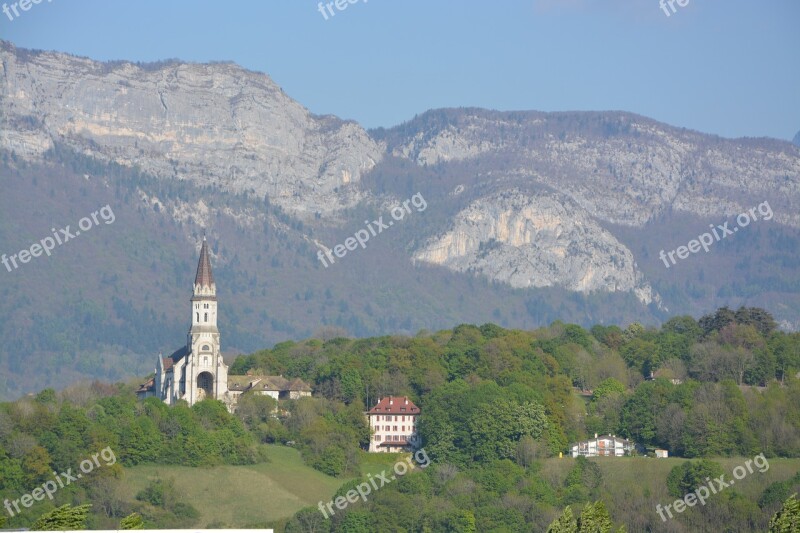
(498, 406)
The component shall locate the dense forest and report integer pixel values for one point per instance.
(497, 406)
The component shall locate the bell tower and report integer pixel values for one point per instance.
(205, 373)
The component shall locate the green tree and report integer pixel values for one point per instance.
(351, 385)
(159, 493)
(132, 521)
(565, 523)
(787, 520)
(595, 519)
(717, 321)
(332, 461)
(633, 331)
(356, 522)
(36, 464)
(585, 473)
(496, 427)
(606, 387)
(462, 521)
(686, 477)
(255, 409)
(684, 325)
(64, 518)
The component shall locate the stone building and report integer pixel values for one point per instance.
(393, 422)
(197, 371)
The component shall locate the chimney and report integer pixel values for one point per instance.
(406, 401)
(595, 435)
(390, 400)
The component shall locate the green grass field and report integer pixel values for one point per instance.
(238, 496)
(648, 474)
(254, 494)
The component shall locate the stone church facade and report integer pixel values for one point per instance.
(197, 370)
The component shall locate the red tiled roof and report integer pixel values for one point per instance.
(149, 385)
(204, 277)
(395, 406)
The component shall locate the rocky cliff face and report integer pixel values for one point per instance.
(603, 168)
(539, 194)
(536, 241)
(619, 167)
(217, 125)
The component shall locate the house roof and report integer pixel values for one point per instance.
(147, 386)
(204, 277)
(266, 384)
(603, 437)
(176, 356)
(395, 406)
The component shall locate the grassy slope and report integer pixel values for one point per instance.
(241, 495)
(638, 484)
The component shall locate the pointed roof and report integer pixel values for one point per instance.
(204, 277)
(396, 406)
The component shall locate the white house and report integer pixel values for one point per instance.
(603, 446)
(393, 422)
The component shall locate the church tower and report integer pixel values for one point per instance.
(205, 374)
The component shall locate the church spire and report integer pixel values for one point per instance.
(204, 277)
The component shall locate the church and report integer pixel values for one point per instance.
(197, 371)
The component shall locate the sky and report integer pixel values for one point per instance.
(727, 67)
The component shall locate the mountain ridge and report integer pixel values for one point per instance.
(177, 147)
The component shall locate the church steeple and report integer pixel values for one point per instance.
(206, 375)
(204, 277)
(204, 297)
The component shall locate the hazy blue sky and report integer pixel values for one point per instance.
(730, 67)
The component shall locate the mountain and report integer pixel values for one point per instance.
(796, 140)
(528, 217)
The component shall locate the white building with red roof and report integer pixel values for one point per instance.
(393, 422)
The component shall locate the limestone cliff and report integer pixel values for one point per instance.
(214, 124)
(536, 241)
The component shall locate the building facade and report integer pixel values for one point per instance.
(277, 387)
(603, 446)
(393, 424)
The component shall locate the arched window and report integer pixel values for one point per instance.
(198, 316)
(206, 348)
(205, 317)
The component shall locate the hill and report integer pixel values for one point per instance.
(498, 407)
(244, 496)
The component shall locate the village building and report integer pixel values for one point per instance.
(276, 387)
(197, 370)
(393, 424)
(603, 446)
